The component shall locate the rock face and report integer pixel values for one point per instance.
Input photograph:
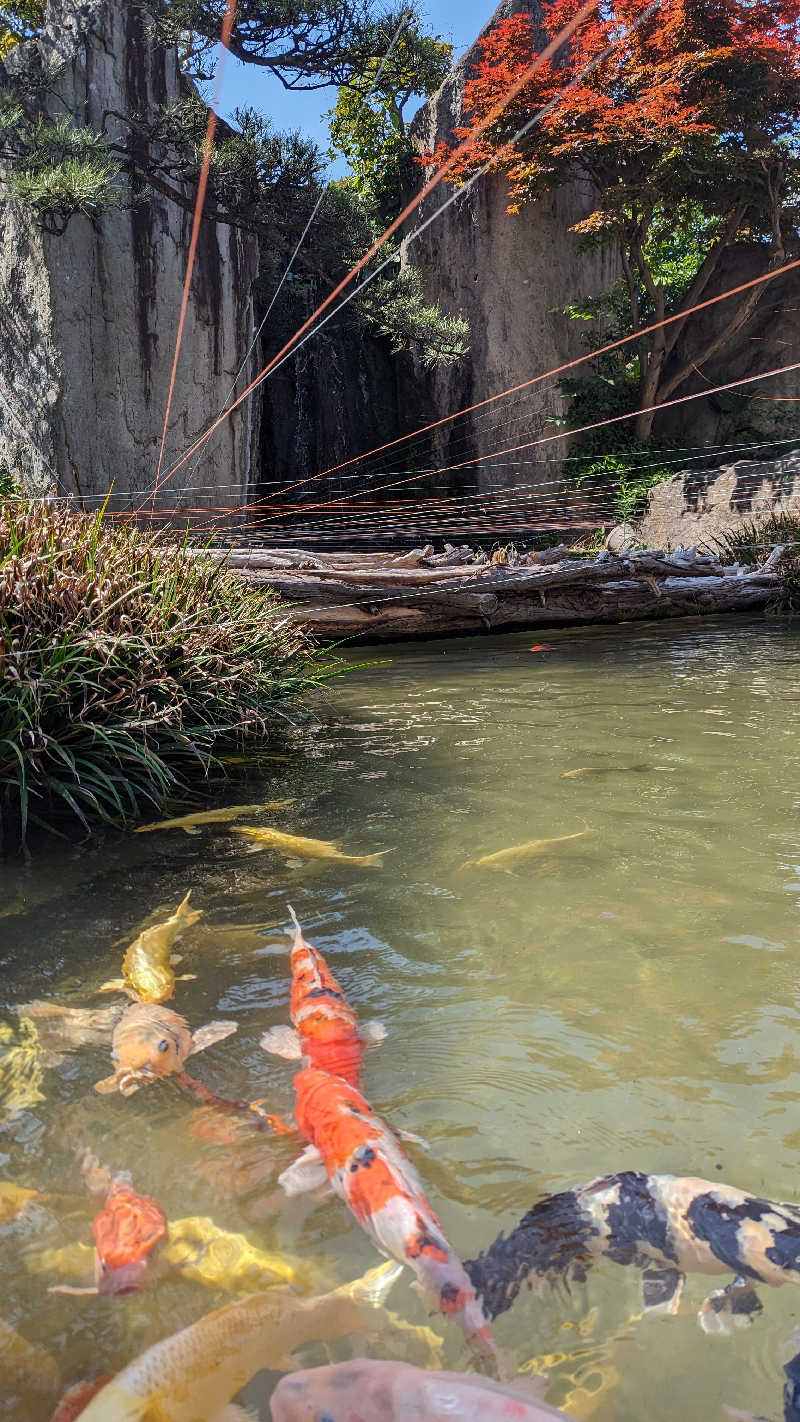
(511, 275)
(88, 319)
(697, 507)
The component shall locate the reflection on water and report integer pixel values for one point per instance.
(625, 1000)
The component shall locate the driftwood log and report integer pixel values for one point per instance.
(374, 597)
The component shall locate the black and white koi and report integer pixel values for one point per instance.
(667, 1225)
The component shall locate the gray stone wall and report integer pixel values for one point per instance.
(511, 275)
(88, 319)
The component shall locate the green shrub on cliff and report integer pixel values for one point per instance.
(126, 664)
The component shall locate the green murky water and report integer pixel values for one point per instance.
(629, 1000)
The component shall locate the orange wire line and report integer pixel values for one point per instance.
(433, 182)
(545, 439)
(208, 143)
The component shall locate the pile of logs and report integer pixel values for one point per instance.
(378, 597)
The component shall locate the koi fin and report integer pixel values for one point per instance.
(371, 861)
(190, 829)
(306, 1173)
(113, 985)
(412, 1139)
(731, 1307)
(108, 1085)
(282, 1042)
(72, 1289)
(371, 1033)
(211, 1033)
(374, 1286)
(661, 1290)
(186, 978)
(175, 959)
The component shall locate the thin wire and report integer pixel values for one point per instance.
(293, 344)
(405, 16)
(563, 434)
(211, 125)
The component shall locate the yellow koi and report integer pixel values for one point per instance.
(27, 1374)
(148, 962)
(189, 823)
(14, 1200)
(190, 1376)
(297, 846)
(583, 770)
(20, 1066)
(505, 861)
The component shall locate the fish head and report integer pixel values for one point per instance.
(149, 1042)
(127, 1231)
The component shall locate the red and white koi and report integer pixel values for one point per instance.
(325, 1030)
(353, 1149)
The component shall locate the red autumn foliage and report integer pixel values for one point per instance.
(696, 104)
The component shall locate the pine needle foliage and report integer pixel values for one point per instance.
(127, 663)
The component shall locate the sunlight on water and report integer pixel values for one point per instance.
(627, 999)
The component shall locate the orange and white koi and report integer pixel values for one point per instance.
(353, 1149)
(326, 1031)
(127, 1232)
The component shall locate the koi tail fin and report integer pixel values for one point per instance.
(186, 915)
(298, 932)
(372, 1288)
(372, 861)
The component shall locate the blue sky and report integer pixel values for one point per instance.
(248, 85)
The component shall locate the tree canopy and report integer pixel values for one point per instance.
(262, 179)
(688, 131)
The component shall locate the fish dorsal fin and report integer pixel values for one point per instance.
(208, 1035)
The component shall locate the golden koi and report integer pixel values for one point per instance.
(190, 1376)
(297, 846)
(584, 770)
(360, 1156)
(25, 1370)
(20, 1066)
(151, 1042)
(505, 861)
(189, 823)
(14, 1201)
(148, 962)
(326, 1030)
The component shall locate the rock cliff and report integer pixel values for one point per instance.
(511, 276)
(88, 319)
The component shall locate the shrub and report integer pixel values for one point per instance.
(126, 663)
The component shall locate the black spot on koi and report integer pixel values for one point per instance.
(363, 1158)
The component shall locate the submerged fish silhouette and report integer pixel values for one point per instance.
(298, 846)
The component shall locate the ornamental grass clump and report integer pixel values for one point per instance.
(126, 664)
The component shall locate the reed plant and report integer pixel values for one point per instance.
(127, 663)
(752, 541)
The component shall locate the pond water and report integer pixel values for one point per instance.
(627, 1000)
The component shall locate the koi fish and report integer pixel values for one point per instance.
(60, 1030)
(506, 861)
(20, 1066)
(189, 823)
(30, 1379)
(78, 1397)
(151, 1042)
(374, 1391)
(193, 1247)
(297, 846)
(148, 963)
(190, 1376)
(669, 1225)
(127, 1232)
(326, 1032)
(14, 1201)
(353, 1149)
(583, 770)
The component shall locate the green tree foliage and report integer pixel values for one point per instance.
(368, 124)
(263, 180)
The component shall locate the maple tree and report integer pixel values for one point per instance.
(688, 131)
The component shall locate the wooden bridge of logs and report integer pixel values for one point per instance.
(378, 597)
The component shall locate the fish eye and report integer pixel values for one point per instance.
(163, 1045)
